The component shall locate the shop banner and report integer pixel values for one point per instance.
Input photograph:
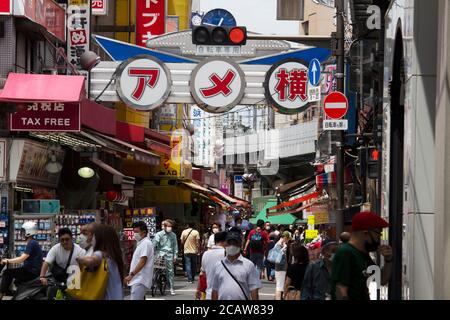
(78, 32)
(5, 7)
(47, 13)
(2, 159)
(150, 20)
(99, 7)
(46, 116)
(238, 187)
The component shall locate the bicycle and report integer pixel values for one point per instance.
(159, 276)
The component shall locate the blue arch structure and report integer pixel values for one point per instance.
(121, 51)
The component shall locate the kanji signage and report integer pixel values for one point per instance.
(5, 7)
(46, 116)
(335, 105)
(217, 85)
(287, 86)
(150, 20)
(144, 82)
(99, 7)
(78, 32)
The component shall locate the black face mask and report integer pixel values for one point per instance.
(373, 246)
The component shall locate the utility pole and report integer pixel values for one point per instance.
(340, 165)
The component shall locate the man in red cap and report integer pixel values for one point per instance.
(349, 272)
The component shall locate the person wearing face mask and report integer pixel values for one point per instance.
(165, 244)
(317, 281)
(349, 271)
(215, 228)
(141, 269)
(235, 277)
(86, 238)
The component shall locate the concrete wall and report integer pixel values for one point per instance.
(320, 19)
(419, 42)
(442, 216)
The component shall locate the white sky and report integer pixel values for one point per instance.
(257, 15)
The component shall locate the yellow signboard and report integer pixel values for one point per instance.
(311, 219)
(312, 234)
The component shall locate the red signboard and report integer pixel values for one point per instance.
(99, 7)
(48, 14)
(5, 7)
(335, 105)
(150, 20)
(43, 116)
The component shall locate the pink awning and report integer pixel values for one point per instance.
(22, 87)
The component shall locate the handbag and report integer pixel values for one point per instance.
(92, 283)
(59, 273)
(276, 255)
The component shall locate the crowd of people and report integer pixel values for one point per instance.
(232, 261)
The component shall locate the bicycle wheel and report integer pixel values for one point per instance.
(163, 286)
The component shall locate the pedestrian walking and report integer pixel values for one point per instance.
(61, 256)
(86, 238)
(317, 281)
(141, 268)
(211, 258)
(107, 246)
(281, 268)
(270, 267)
(235, 277)
(349, 270)
(190, 240)
(296, 272)
(166, 247)
(214, 229)
(256, 246)
(344, 237)
(31, 259)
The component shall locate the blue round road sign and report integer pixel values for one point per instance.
(314, 72)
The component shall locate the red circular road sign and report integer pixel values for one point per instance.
(335, 105)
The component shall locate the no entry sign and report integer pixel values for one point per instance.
(335, 105)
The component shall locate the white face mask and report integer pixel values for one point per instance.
(137, 236)
(232, 250)
(215, 230)
(168, 229)
(82, 241)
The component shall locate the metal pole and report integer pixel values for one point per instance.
(340, 166)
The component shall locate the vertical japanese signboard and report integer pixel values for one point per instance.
(2, 159)
(150, 20)
(5, 7)
(99, 7)
(78, 31)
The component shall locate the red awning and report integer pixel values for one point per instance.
(98, 117)
(22, 87)
(308, 197)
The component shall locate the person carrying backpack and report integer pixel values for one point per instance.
(256, 245)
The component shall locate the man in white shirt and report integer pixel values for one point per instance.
(215, 228)
(210, 259)
(86, 239)
(59, 255)
(141, 270)
(235, 277)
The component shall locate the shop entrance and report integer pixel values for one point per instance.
(396, 167)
